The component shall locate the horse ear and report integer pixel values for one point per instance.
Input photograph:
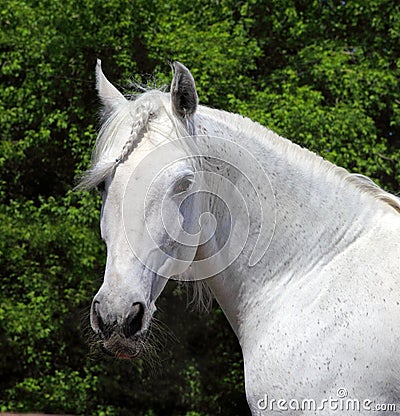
(109, 95)
(184, 97)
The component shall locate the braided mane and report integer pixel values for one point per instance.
(106, 155)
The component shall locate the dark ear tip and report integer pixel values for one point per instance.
(183, 91)
(178, 68)
(176, 65)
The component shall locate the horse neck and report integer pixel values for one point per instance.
(317, 215)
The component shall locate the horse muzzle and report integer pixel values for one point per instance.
(122, 336)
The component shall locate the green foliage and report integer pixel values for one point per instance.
(65, 391)
(42, 292)
(323, 73)
(215, 45)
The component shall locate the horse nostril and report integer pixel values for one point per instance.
(134, 320)
(95, 319)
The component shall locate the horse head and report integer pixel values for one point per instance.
(149, 216)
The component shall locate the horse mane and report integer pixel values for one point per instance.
(249, 127)
(141, 109)
(366, 185)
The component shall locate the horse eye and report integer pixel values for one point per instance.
(183, 185)
(101, 186)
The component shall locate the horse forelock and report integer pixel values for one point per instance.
(109, 151)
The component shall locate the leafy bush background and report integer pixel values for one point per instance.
(324, 73)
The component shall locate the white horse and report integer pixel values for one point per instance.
(302, 256)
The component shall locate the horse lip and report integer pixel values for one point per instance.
(126, 356)
(121, 353)
(120, 347)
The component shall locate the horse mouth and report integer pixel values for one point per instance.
(118, 346)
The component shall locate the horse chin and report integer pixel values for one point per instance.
(123, 348)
